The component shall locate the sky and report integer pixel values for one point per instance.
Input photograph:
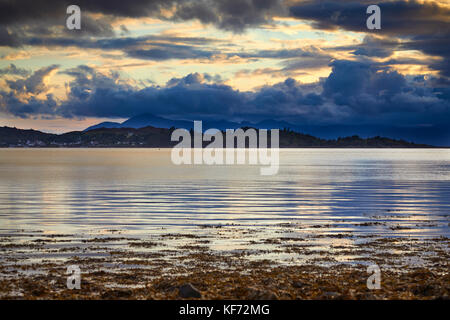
(314, 64)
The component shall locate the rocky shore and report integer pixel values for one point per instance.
(190, 266)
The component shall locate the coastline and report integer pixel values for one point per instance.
(140, 227)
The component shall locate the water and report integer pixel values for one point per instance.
(85, 191)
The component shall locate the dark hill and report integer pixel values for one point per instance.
(151, 137)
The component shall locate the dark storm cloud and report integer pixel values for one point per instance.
(194, 94)
(422, 26)
(20, 20)
(398, 18)
(28, 12)
(234, 15)
(437, 46)
(354, 92)
(9, 103)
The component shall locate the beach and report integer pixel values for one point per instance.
(115, 266)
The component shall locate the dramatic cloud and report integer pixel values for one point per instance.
(20, 99)
(95, 95)
(33, 84)
(423, 26)
(399, 18)
(23, 20)
(160, 48)
(354, 92)
(233, 15)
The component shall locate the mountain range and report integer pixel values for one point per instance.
(430, 135)
(149, 120)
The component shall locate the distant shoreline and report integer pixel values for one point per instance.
(138, 147)
(151, 137)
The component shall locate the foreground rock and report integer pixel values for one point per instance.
(189, 291)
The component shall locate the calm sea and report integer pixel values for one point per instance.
(79, 191)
